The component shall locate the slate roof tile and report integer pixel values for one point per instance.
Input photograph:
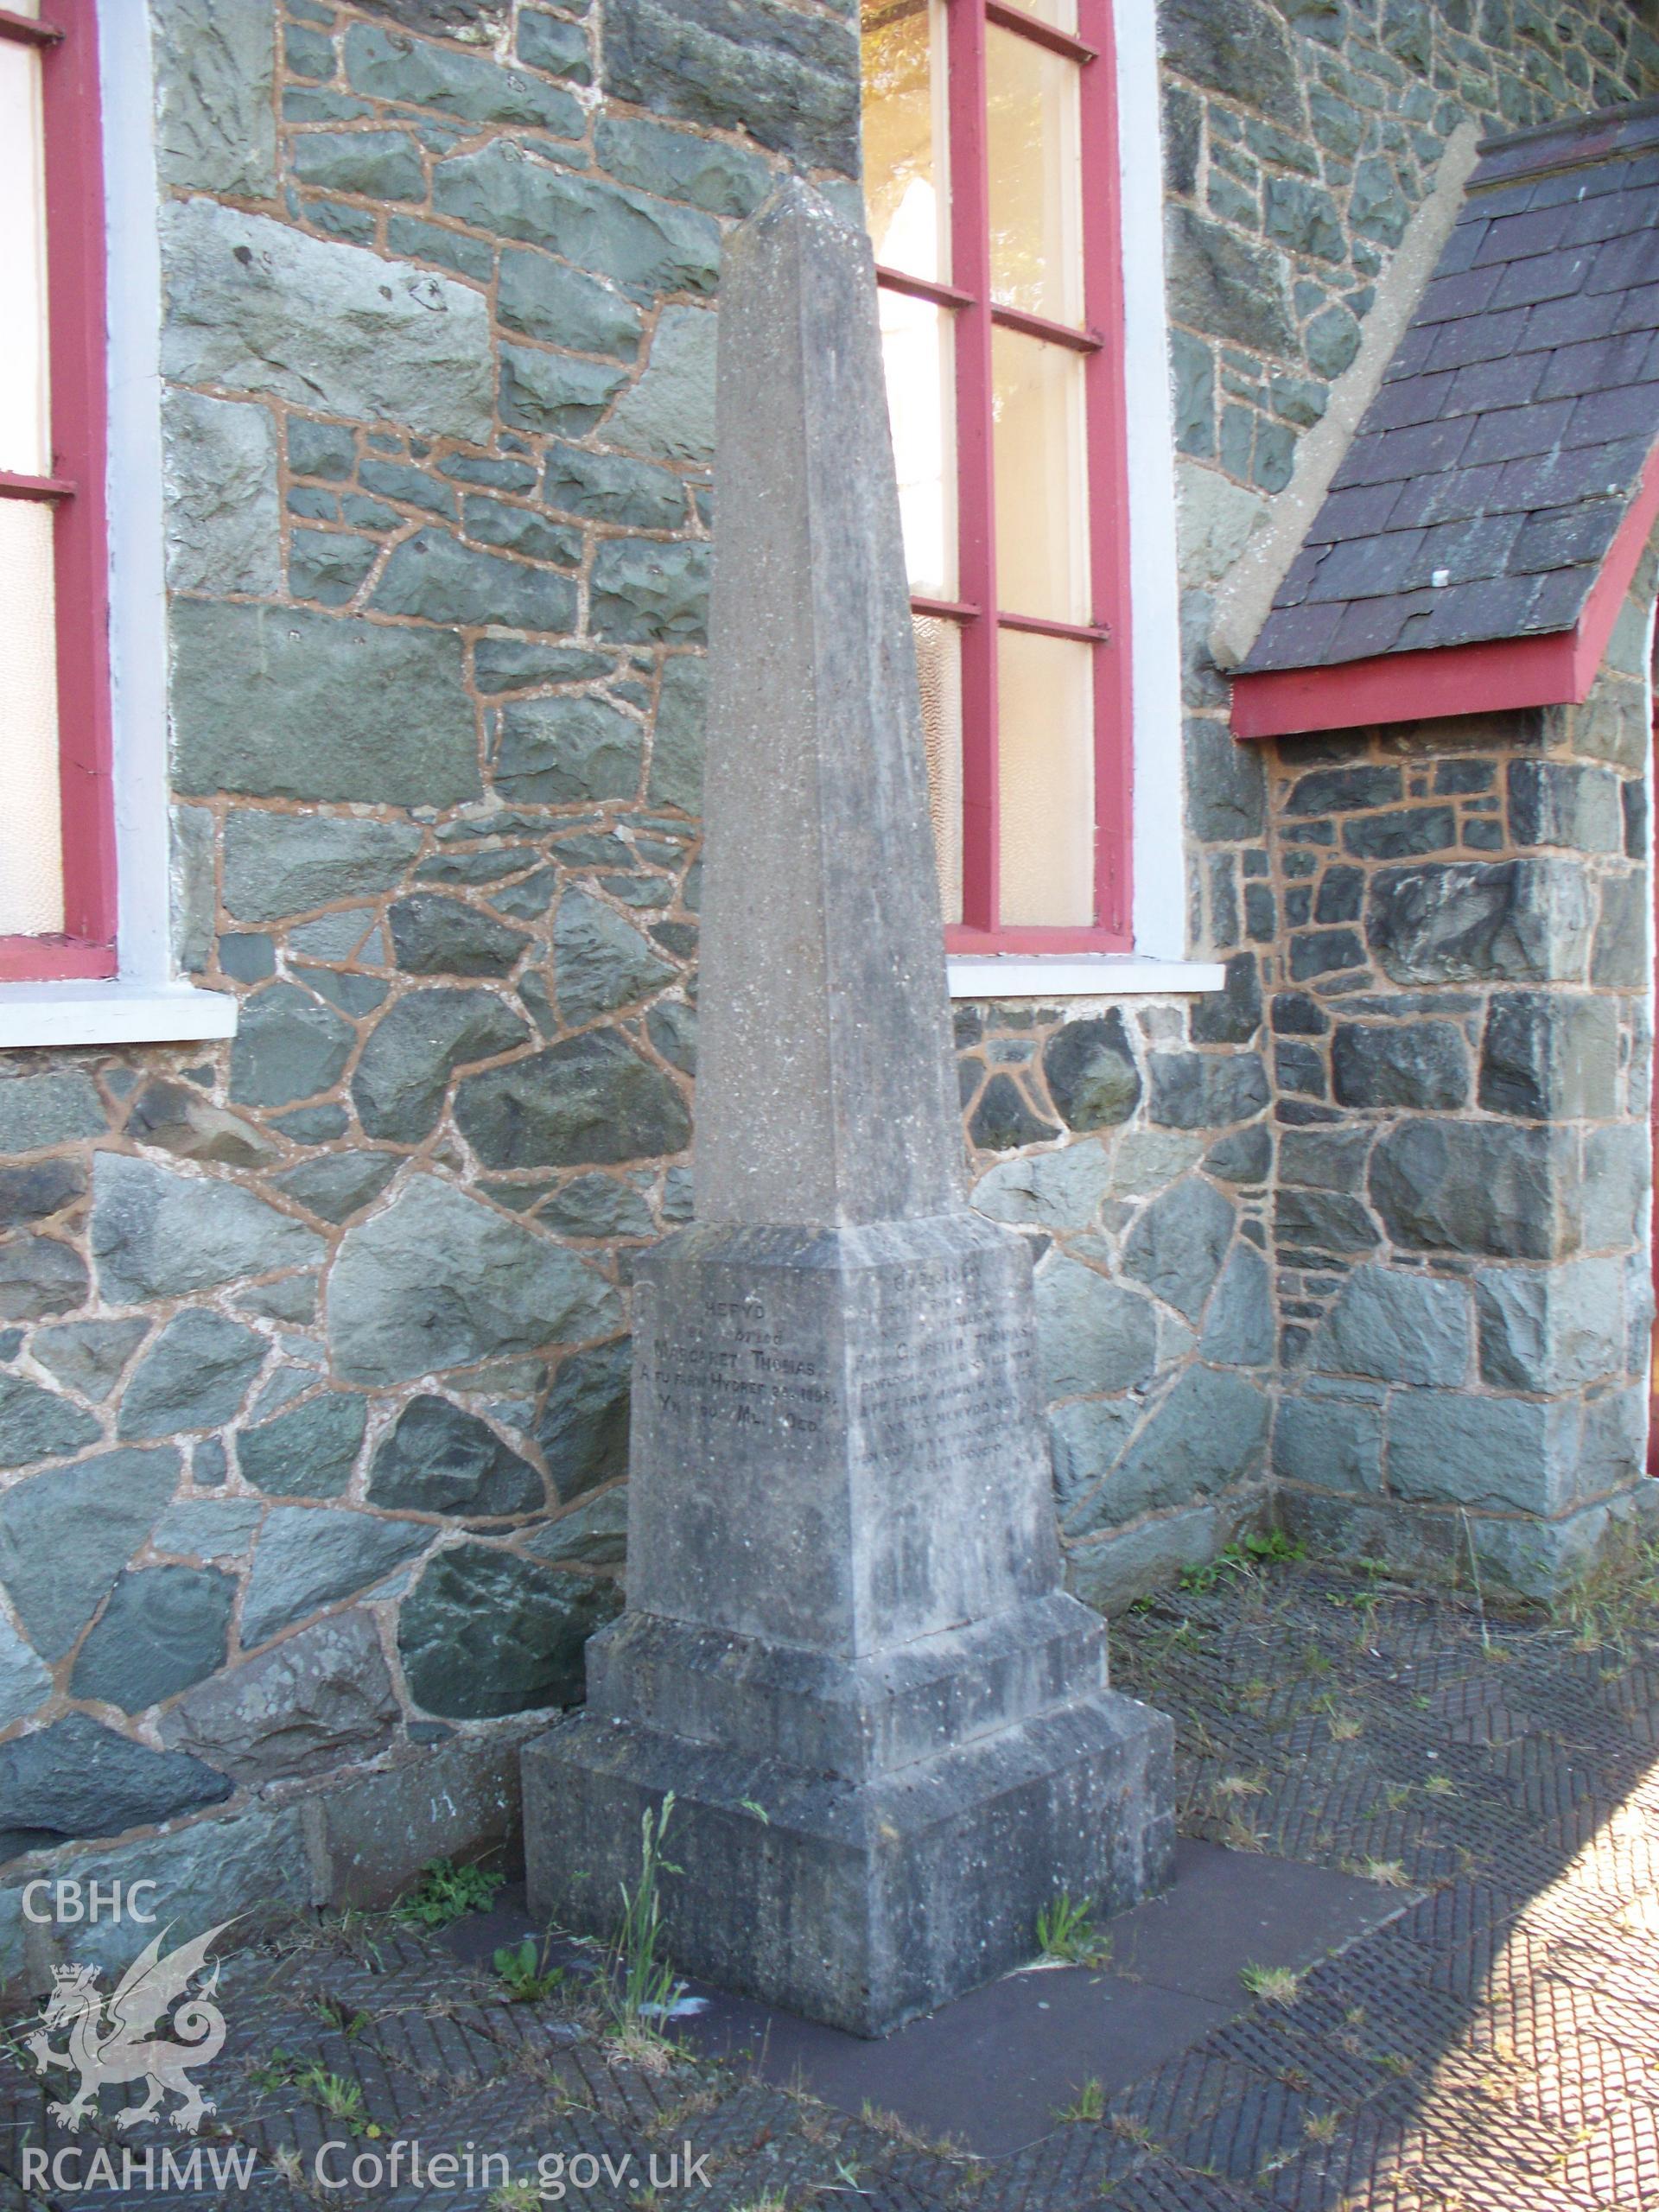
(1481, 546)
(1309, 633)
(1562, 322)
(1394, 455)
(1376, 626)
(1601, 416)
(1300, 574)
(1369, 568)
(1516, 238)
(1597, 364)
(1510, 381)
(1413, 399)
(1411, 355)
(1446, 298)
(1476, 338)
(1622, 262)
(1566, 537)
(1463, 248)
(1591, 220)
(1551, 479)
(1512, 427)
(1453, 498)
(1548, 276)
(1510, 432)
(1640, 310)
(1361, 510)
(1561, 596)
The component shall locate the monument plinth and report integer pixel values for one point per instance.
(846, 1649)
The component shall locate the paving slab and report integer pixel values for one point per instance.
(993, 2071)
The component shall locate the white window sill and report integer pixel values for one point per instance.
(118, 1011)
(1078, 975)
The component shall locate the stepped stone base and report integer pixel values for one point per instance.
(858, 1901)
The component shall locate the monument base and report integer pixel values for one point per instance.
(857, 1902)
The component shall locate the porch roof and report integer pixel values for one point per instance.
(1508, 452)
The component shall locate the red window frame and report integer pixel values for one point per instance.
(75, 323)
(1100, 338)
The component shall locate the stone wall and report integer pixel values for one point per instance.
(313, 1379)
(1153, 1293)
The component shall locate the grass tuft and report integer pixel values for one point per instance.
(1089, 2106)
(1616, 1600)
(1272, 1985)
(1066, 1933)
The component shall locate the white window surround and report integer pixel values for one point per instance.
(147, 1002)
(1078, 975)
(1159, 962)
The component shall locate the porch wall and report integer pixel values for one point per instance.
(1461, 1066)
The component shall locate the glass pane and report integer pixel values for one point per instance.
(1042, 478)
(916, 342)
(1046, 777)
(938, 670)
(1035, 177)
(25, 438)
(905, 135)
(1063, 13)
(31, 852)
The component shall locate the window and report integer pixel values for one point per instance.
(57, 862)
(992, 192)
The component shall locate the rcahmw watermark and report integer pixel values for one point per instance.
(338, 2165)
(555, 2175)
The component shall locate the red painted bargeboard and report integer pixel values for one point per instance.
(1555, 671)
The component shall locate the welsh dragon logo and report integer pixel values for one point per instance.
(113, 2038)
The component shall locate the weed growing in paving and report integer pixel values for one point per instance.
(525, 1972)
(1066, 1933)
(1615, 1601)
(1246, 1558)
(446, 1893)
(341, 2099)
(1089, 2105)
(644, 1989)
(1386, 1873)
(1272, 1985)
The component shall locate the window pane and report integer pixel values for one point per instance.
(1035, 177)
(904, 135)
(1063, 13)
(938, 670)
(915, 351)
(31, 852)
(1045, 776)
(1042, 480)
(25, 439)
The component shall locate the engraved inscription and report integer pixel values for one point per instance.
(727, 1367)
(932, 1386)
(941, 1395)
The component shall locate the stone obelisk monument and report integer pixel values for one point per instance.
(846, 1649)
